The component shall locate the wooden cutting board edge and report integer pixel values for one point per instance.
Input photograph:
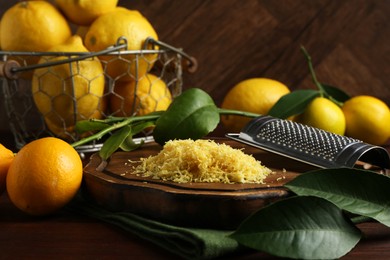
(195, 205)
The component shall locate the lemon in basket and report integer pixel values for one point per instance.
(67, 93)
(68, 132)
(145, 96)
(32, 26)
(84, 12)
(108, 28)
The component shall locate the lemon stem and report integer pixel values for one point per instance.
(311, 69)
(223, 111)
(360, 219)
(314, 77)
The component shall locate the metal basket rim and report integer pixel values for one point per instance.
(112, 50)
(126, 52)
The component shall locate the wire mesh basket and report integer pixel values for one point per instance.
(48, 97)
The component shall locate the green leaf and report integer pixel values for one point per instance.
(139, 127)
(299, 227)
(358, 191)
(335, 93)
(114, 141)
(88, 125)
(193, 115)
(293, 103)
(128, 144)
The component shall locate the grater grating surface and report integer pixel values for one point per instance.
(308, 144)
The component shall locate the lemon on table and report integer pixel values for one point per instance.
(324, 114)
(6, 158)
(67, 93)
(84, 12)
(108, 28)
(44, 176)
(140, 98)
(368, 119)
(256, 95)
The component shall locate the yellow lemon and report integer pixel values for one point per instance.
(324, 114)
(6, 158)
(83, 29)
(140, 98)
(108, 28)
(68, 132)
(32, 26)
(368, 119)
(44, 176)
(67, 93)
(84, 12)
(256, 95)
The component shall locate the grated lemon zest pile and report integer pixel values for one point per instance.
(184, 161)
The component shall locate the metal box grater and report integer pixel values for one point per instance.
(309, 145)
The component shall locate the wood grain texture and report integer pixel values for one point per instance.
(234, 40)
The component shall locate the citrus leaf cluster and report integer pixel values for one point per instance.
(296, 102)
(192, 115)
(316, 223)
(301, 227)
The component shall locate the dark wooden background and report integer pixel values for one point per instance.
(234, 40)
(238, 39)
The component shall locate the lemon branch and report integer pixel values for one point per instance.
(315, 80)
(114, 123)
(311, 69)
(223, 111)
(194, 111)
(360, 219)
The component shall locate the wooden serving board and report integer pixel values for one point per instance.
(208, 205)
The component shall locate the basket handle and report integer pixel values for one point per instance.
(11, 70)
(121, 44)
(7, 69)
(191, 65)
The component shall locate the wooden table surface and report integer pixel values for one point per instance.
(67, 235)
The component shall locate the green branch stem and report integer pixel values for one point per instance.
(360, 219)
(223, 111)
(311, 69)
(116, 125)
(314, 77)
